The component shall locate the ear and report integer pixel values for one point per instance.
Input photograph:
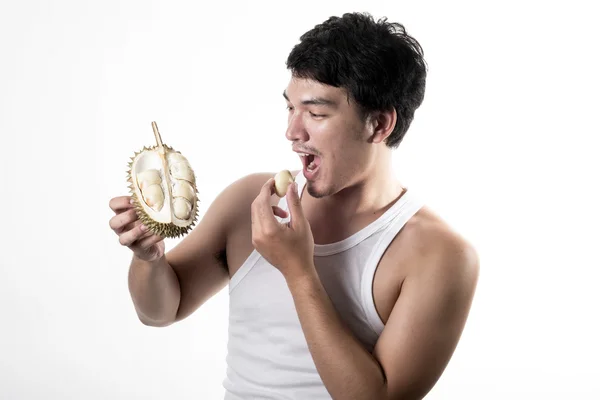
(382, 124)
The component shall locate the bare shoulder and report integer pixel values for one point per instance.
(436, 248)
(246, 189)
(243, 192)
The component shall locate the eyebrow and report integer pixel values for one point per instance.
(317, 101)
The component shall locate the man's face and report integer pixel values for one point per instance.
(323, 122)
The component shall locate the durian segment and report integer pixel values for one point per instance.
(175, 156)
(148, 200)
(182, 208)
(148, 177)
(183, 197)
(150, 170)
(182, 170)
(154, 197)
(283, 179)
(183, 189)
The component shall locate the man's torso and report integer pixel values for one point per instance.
(393, 267)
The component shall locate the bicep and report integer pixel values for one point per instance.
(198, 259)
(425, 325)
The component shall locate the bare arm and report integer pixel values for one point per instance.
(166, 288)
(155, 291)
(417, 342)
(428, 319)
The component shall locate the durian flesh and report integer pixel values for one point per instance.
(163, 188)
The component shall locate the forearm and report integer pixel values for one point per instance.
(155, 291)
(347, 369)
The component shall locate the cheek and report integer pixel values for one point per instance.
(316, 126)
(348, 157)
(327, 134)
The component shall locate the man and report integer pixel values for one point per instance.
(348, 287)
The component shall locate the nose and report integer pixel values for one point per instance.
(296, 131)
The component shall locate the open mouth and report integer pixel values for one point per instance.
(311, 164)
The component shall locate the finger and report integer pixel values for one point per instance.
(129, 227)
(120, 221)
(120, 203)
(262, 210)
(140, 238)
(146, 242)
(281, 213)
(127, 238)
(294, 204)
(145, 234)
(269, 187)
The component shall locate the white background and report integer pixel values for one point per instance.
(504, 148)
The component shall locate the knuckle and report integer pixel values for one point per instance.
(269, 233)
(125, 239)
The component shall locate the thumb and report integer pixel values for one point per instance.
(294, 204)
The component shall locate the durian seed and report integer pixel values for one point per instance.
(182, 208)
(153, 196)
(282, 180)
(176, 156)
(148, 177)
(183, 189)
(182, 170)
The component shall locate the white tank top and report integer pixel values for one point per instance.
(267, 354)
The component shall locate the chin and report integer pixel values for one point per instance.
(310, 189)
(317, 191)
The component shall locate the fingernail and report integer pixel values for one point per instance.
(131, 201)
(144, 228)
(295, 188)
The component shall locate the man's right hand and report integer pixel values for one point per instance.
(126, 224)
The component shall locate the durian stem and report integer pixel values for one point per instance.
(157, 136)
(161, 151)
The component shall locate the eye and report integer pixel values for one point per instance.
(317, 115)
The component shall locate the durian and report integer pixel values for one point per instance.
(283, 179)
(163, 188)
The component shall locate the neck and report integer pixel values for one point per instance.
(371, 192)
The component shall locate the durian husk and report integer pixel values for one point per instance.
(169, 227)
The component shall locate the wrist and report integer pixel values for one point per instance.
(303, 280)
(151, 264)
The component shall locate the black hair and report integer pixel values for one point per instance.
(377, 62)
